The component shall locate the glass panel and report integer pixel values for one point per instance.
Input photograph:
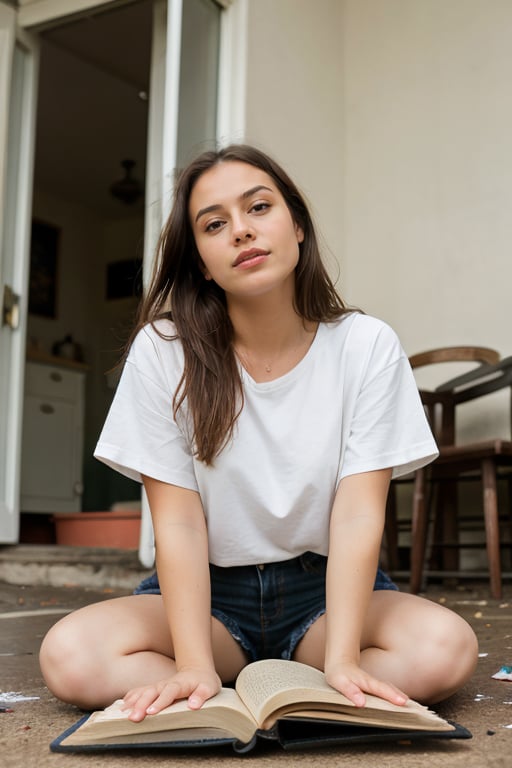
(198, 78)
(7, 268)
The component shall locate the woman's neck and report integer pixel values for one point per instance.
(270, 338)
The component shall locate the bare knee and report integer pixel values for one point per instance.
(447, 654)
(67, 664)
(426, 650)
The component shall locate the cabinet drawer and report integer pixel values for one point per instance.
(49, 452)
(51, 381)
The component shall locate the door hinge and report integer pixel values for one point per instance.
(10, 308)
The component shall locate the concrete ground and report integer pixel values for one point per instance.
(40, 584)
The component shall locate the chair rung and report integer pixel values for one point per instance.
(469, 545)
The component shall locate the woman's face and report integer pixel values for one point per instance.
(244, 231)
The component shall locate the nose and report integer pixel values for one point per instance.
(242, 230)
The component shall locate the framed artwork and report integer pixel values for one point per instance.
(42, 297)
(124, 279)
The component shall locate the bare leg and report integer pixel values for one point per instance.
(95, 655)
(426, 650)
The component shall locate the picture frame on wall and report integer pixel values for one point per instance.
(124, 279)
(44, 247)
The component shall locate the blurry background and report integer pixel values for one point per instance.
(394, 116)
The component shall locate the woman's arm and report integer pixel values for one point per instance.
(183, 571)
(357, 523)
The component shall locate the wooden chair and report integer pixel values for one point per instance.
(443, 427)
(481, 459)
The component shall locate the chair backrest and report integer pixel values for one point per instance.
(483, 355)
(440, 402)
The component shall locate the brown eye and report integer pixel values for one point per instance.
(259, 207)
(213, 225)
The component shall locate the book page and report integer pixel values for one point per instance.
(274, 688)
(224, 712)
(185, 736)
(261, 681)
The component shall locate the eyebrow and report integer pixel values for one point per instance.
(249, 193)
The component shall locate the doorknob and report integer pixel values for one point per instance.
(10, 308)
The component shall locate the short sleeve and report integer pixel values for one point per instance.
(387, 423)
(141, 435)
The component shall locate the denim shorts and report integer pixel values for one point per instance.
(268, 608)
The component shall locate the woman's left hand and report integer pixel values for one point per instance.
(353, 682)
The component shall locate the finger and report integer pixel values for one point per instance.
(350, 689)
(170, 693)
(387, 691)
(201, 694)
(143, 703)
(130, 698)
(355, 694)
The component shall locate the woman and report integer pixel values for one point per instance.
(265, 420)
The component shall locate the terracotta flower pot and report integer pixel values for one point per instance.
(117, 529)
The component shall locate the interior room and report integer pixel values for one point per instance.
(87, 237)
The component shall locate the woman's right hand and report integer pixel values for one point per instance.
(195, 684)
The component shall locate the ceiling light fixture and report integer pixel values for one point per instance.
(127, 190)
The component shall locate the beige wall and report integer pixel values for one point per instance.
(395, 117)
(294, 100)
(36, 11)
(427, 156)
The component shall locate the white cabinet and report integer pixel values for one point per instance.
(53, 434)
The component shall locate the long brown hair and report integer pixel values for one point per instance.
(211, 382)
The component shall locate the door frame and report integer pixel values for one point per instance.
(15, 216)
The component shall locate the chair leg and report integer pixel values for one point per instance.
(450, 527)
(391, 531)
(436, 549)
(419, 531)
(492, 529)
(444, 555)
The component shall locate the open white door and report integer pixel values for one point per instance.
(155, 176)
(18, 91)
(161, 164)
(183, 120)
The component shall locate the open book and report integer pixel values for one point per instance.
(273, 699)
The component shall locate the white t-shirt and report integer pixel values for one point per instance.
(351, 405)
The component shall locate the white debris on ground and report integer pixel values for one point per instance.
(13, 697)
